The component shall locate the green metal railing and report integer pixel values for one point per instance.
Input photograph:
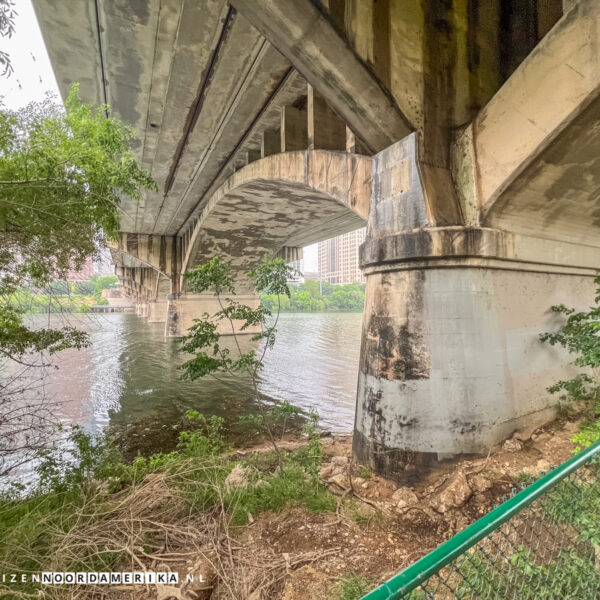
(542, 543)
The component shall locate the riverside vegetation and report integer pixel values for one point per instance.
(63, 296)
(91, 511)
(315, 296)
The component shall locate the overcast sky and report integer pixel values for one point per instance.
(33, 77)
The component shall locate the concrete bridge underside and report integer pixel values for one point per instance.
(466, 135)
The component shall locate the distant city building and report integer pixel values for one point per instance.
(83, 274)
(338, 258)
(103, 264)
(298, 276)
(314, 275)
(94, 265)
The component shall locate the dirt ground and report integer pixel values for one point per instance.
(380, 527)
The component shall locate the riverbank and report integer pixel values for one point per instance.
(315, 527)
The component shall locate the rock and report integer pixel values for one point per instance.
(512, 445)
(167, 592)
(542, 465)
(527, 432)
(239, 478)
(341, 461)
(541, 439)
(454, 493)
(305, 582)
(205, 577)
(404, 497)
(340, 479)
(326, 471)
(479, 483)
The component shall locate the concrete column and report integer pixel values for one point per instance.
(294, 132)
(252, 155)
(157, 311)
(326, 131)
(183, 308)
(270, 143)
(142, 309)
(451, 361)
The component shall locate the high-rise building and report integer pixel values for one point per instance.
(338, 258)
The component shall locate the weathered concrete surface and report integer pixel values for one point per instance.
(534, 150)
(309, 41)
(157, 310)
(290, 199)
(451, 360)
(184, 308)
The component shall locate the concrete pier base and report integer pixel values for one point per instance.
(141, 309)
(183, 308)
(157, 311)
(451, 361)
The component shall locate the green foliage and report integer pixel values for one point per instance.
(589, 434)
(307, 297)
(568, 576)
(353, 587)
(207, 440)
(292, 483)
(580, 335)
(89, 483)
(203, 339)
(16, 339)
(578, 505)
(7, 28)
(62, 173)
(86, 459)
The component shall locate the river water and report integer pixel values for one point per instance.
(129, 375)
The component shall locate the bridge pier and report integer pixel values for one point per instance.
(184, 307)
(451, 361)
(157, 311)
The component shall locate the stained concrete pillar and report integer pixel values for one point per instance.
(183, 308)
(157, 311)
(451, 362)
(326, 131)
(270, 143)
(252, 155)
(294, 129)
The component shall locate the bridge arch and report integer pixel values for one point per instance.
(288, 199)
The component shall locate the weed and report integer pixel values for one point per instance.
(353, 587)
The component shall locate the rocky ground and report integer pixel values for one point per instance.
(380, 527)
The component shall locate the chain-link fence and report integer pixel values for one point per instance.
(541, 543)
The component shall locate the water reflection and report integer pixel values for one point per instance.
(130, 373)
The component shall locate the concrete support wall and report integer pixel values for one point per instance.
(182, 309)
(451, 360)
(157, 310)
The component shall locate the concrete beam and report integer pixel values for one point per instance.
(294, 129)
(159, 252)
(530, 162)
(287, 199)
(310, 42)
(326, 131)
(270, 143)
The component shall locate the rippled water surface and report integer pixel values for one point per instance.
(130, 373)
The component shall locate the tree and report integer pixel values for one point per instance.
(62, 172)
(580, 335)
(211, 358)
(7, 28)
